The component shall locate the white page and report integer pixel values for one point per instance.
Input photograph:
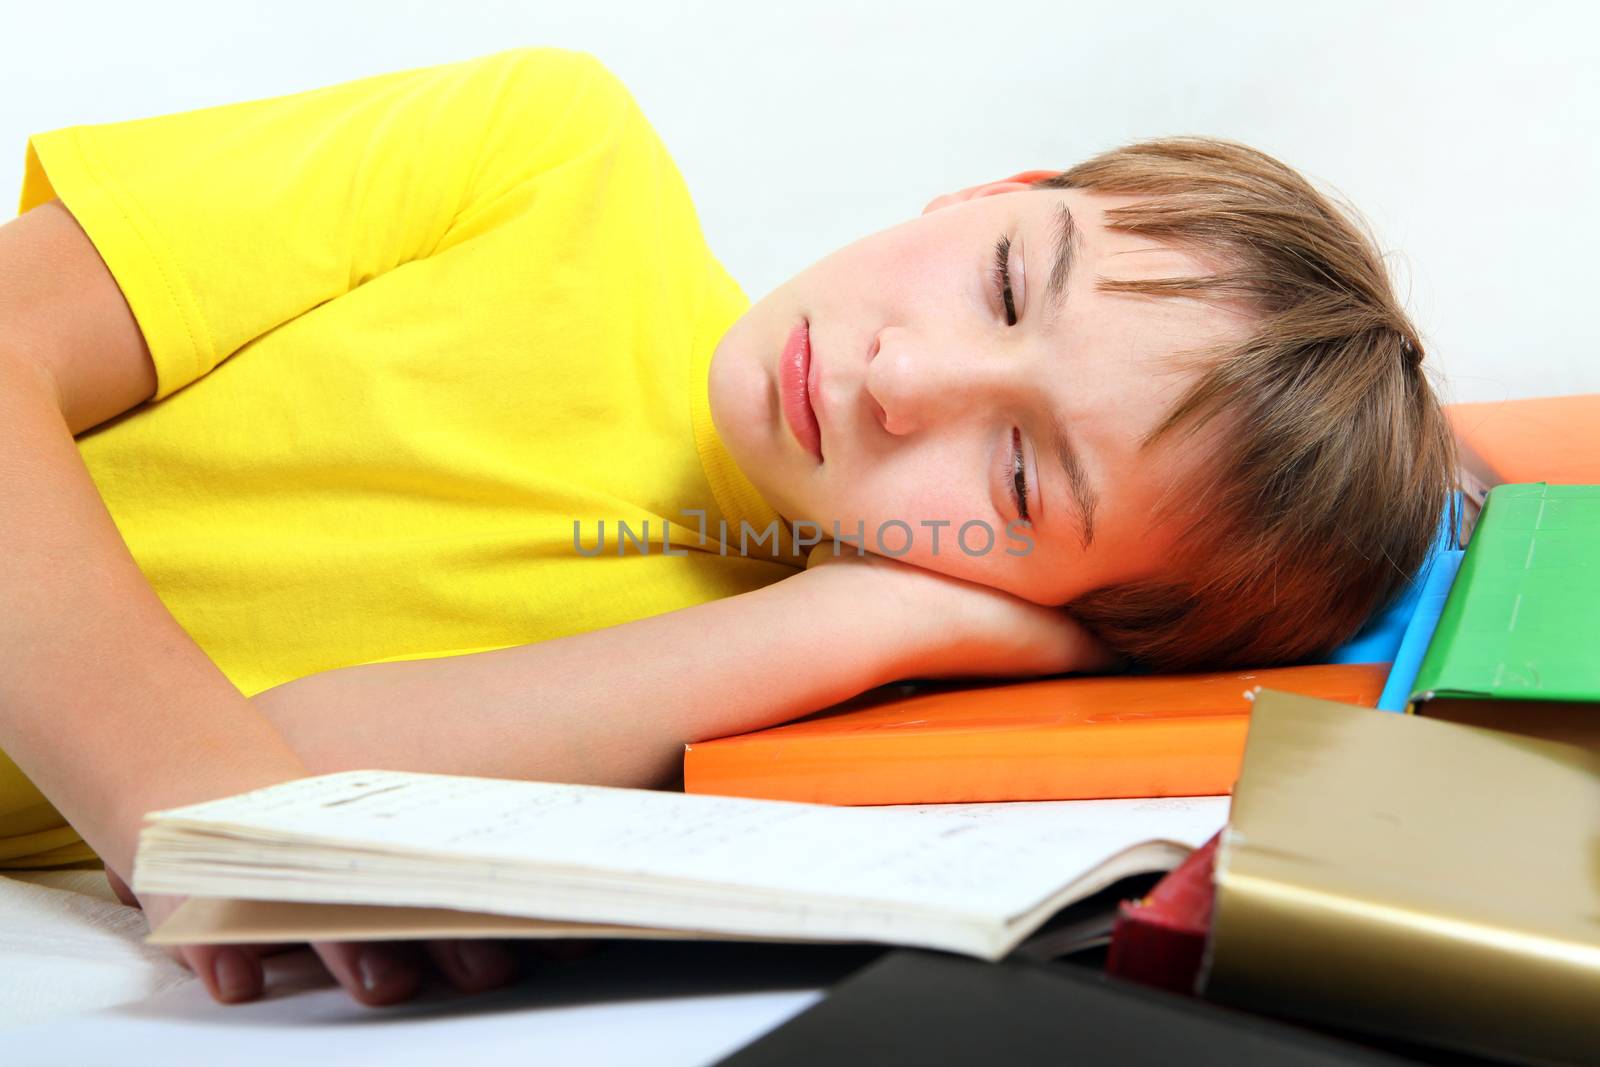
(985, 860)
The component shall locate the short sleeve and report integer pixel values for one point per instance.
(223, 223)
(823, 551)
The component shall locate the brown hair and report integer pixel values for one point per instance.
(1325, 495)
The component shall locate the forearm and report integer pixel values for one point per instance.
(106, 704)
(609, 707)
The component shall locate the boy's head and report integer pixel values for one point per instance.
(1201, 386)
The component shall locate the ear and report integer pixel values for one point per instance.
(1015, 183)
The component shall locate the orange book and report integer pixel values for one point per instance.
(1548, 439)
(1072, 738)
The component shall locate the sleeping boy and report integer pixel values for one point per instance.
(410, 423)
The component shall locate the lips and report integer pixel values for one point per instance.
(794, 389)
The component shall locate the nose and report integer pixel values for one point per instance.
(917, 380)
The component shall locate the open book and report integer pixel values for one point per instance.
(450, 856)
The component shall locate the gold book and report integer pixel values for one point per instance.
(1412, 877)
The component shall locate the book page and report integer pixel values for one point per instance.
(993, 860)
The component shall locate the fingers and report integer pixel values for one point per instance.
(474, 965)
(378, 973)
(1061, 644)
(375, 973)
(232, 973)
(1087, 653)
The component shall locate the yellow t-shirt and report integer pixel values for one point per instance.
(407, 331)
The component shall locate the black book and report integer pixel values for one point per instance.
(913, 1006)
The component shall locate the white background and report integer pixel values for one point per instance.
(1465, 133)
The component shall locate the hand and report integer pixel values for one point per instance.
(376, 973)
(957, 628)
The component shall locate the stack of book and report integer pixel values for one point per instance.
(1429, 876)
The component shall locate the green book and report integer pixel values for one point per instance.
(1518, 644)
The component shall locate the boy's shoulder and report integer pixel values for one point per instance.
(542, 76)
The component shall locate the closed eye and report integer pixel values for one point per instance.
(1016, 475)
(1000, 274)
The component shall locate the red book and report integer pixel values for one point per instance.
(1161, 939)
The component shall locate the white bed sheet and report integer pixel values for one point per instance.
(77, 986)
(67, 945)
(637, 1006)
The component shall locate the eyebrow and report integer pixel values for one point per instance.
(1082, 492)
(1067, 240)
(1055, 294)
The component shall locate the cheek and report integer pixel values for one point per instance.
(914, 488)
(915, 269)
(883, 278)
(733, 389)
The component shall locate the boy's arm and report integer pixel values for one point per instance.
(105, 702)
(615, 706)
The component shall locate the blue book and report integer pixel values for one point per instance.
(1434, 591)
(1384, 636)
(1379, 640)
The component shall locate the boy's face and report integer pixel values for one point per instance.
(922, 388)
